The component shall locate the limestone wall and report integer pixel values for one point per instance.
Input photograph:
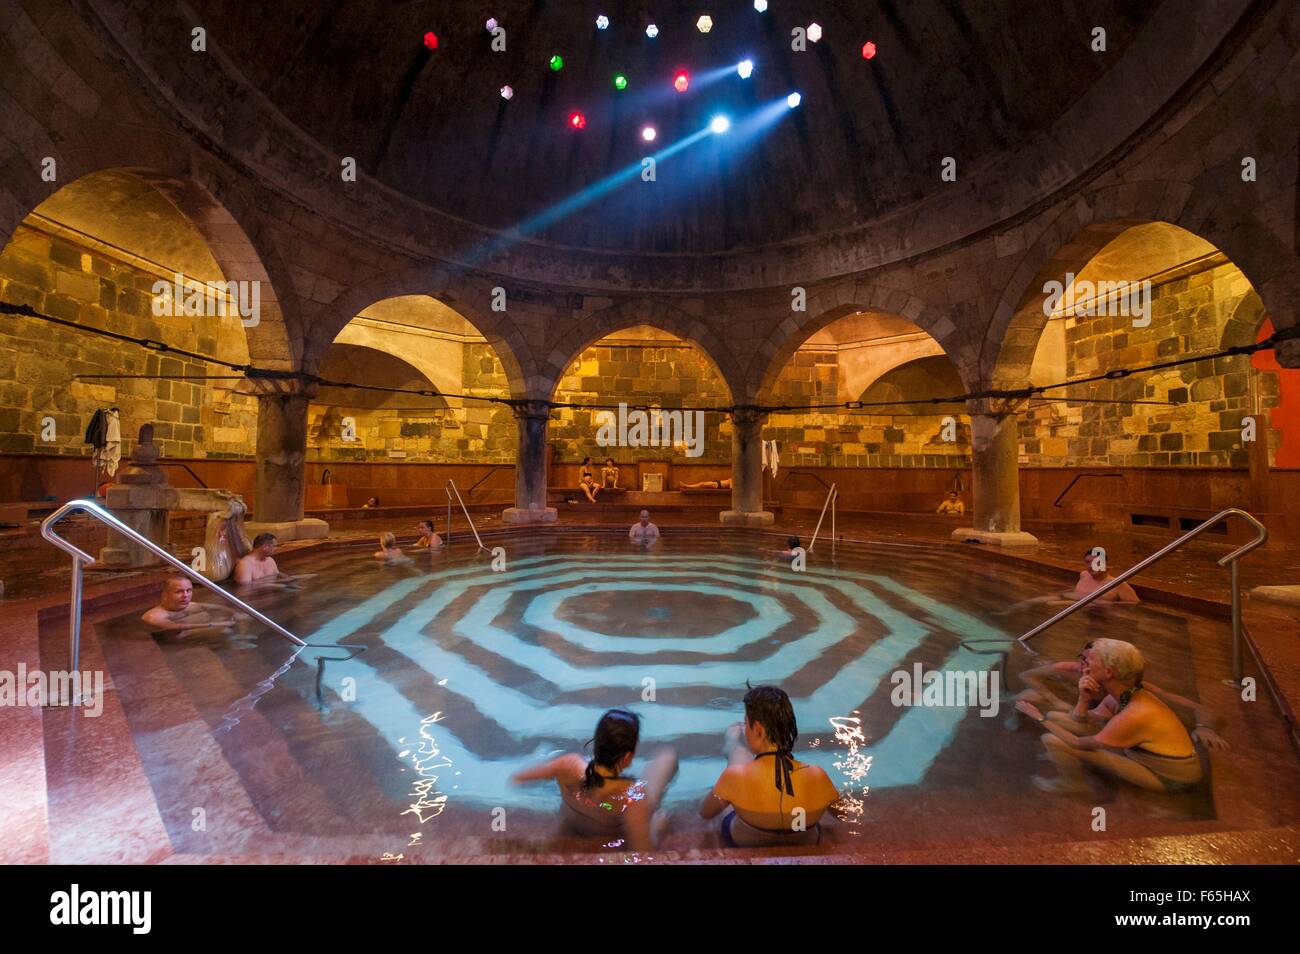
(39, 361)
(1201, 426)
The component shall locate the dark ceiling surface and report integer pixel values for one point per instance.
(971, 79)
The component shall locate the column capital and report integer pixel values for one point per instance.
(995, 407)
(278, 387)
(531, 409)
(747, 414)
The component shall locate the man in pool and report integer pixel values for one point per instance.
(644, 532)
(1091, 578)
(1143, 742)
(257, 566)
(597, 799)
(177, 613)
(952, 506)
(773, 799)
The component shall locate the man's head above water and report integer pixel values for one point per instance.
(177, 593)
(645, 517)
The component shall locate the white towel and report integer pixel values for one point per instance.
(110, 454)
(771, 457)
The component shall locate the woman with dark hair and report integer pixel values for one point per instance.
(597, 798)
(587, 480)
(777, 802)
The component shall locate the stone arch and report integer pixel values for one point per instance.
(824, 308)
(208, 197)
(1085, 227)
(632, 312)
(468, 300)
(1243, 324)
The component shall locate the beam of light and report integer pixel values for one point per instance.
(745, 69)
(566, 207)
(793, 100)
(720, 124)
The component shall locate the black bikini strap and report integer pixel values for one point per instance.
(784, 767)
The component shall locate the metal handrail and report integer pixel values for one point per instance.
(803, 473)
(493, 470)
(831, 496)
(1230, 561)
(451, 486)
(187, 469)
(1077, 478)
(80, 558)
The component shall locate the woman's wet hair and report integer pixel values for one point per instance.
(586, 460)
(388, 541)
(770, 707)
(792, 543)
(616, 735)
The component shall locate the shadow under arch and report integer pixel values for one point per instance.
(216, 213)
(633, 313)
(796, 336)
(459, 296)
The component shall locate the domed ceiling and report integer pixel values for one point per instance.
(968, 78)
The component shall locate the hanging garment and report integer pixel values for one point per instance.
(764, 443)
(97, 428)
(108, 455)
(774, 457)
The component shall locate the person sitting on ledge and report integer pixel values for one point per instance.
(389, 551)
(370, 504)
(768, 811)
(609, 475)
(257, 566)
(1143, 742)
(643, 531)
(597, 799)
(177, 613)
(952, 506)
(429, 539)
(587, 480)
(723, 484)
(1094, 708)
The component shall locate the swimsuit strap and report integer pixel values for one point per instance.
(1126, 696)
(784, 766)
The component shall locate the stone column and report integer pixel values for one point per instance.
(533, 418)
(995, 451)
(747, 471)
(281, 474)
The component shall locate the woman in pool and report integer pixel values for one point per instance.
(429, 539)
(587, 480)
(389, 551)
(773, 799)
(597, 799)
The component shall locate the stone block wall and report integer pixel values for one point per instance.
(666, 374)
(841, 438)
(465, 431)
(39, 361)
(1201, 424)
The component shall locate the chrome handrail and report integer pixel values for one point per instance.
(1230, 561)
(80, 558)
(451, 486)
(831, 496)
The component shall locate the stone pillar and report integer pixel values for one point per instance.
(995, 452)
(281, 474)
(533, 418)
(747, 471)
